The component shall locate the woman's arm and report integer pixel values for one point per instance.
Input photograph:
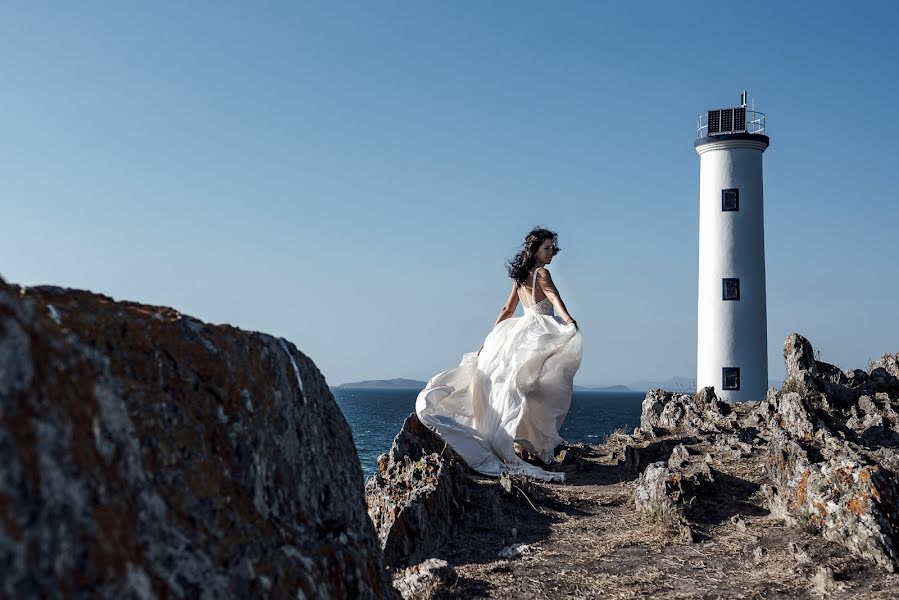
(545, 281)
(509, 307)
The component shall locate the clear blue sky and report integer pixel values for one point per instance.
(351, 176)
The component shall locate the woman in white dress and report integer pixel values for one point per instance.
(515, 392)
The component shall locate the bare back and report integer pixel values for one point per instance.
(538, 295)
(528, 292)
(529, 296)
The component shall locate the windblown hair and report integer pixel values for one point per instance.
(524, 261)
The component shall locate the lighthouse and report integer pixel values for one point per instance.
(732, 340)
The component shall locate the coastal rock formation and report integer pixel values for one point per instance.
(852, 503)
(830, 445)
(833, 455)
(671, 412)
(144, 453)
(417, 496)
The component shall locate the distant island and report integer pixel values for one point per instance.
(384, 384)
(608, 388)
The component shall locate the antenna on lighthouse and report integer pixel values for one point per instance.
(743, 99)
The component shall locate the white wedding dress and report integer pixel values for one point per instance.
(518, 390)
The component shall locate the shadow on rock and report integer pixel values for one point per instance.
(724, 497)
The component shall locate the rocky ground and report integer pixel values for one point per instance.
(794, 496)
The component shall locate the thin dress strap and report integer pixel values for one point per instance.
(534, 288)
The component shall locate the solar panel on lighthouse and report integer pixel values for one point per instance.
(714, 122)
(740, 119)
(726, 120)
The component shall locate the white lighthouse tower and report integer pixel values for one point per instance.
(732, 336)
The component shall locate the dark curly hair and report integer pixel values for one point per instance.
(519, 266)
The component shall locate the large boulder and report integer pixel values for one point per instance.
(144, 453)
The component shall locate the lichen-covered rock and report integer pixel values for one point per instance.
(852, 503)
(421, 581)
(692, 414)
(799, 356)
(635, 455)
(663, 490)
(789, 411)
(144, 453)
(680, 456)
(417, 496)
(888, 362)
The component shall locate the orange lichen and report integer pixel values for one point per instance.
(801, 492)
(858, 504)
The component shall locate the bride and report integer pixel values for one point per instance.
(514, 393)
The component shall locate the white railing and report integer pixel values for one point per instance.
(755, 123)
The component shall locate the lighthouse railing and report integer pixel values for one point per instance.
(755, 123)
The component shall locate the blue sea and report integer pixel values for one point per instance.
(376, 416)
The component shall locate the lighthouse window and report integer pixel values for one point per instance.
(731, 378)
(730, 199)
(731, 289)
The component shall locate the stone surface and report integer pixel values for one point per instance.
(799, 356)
(663, 491)
(668, 412)
(830, 438)
(421, 581)
(852, 503)
(417, 496)
(832, 457)
(144, 453)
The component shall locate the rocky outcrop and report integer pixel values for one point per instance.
(672, 412)
(144, 453)
(833, 453)
(424, 579)
(417, 496)
(423, 497)
(850, 502)
(819, 397)
(664, 491)
(830, 440)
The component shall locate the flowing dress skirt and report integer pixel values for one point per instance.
(517, 391)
